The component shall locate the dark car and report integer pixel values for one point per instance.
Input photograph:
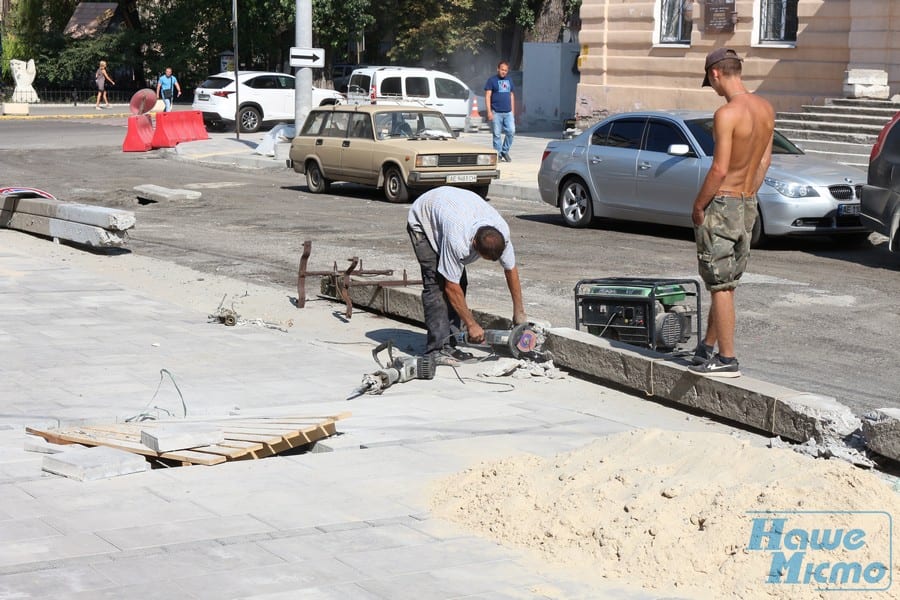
(880, 199)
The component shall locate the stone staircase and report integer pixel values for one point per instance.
(842, 130)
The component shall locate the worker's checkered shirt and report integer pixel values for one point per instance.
(449, 217)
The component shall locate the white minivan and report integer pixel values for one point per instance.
(415, 86)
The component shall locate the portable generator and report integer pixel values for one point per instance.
(653, 313)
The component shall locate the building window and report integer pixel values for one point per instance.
(675, 21)
(778, 21)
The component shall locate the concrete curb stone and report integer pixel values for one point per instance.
(777, 410)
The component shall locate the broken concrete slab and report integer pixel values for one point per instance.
(181, 436)
(88, 235)
(98, 216)
(34, 443)
(99, 462)
(160, 194)
(881, 429)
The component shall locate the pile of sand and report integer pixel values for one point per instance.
(669, 511)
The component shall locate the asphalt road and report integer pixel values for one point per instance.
(811, 315)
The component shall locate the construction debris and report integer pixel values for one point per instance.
(88, 464)
(243, 437)
(32, 212)
(158, 193)
(522, 369)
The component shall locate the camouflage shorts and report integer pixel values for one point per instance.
(723, 240)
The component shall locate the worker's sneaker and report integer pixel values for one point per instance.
(716, 367)
(702, 354)
(451, 357)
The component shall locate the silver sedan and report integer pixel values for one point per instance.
(648, 166)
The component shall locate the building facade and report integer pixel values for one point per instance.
(642, 54)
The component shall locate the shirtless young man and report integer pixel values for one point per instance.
(725, 207)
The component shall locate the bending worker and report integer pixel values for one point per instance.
(449, 228)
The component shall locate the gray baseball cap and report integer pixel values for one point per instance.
(717, 56)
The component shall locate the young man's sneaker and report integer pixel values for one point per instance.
(506, 157)
(716, 367)
(451, 357)
(702, 354)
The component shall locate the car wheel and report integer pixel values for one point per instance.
(758, 236)
(250, 120)
(395, 189)
(482, 190)
(575, 204)
(215, 126)
(315, 181)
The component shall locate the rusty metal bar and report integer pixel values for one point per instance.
(344, 287)
(301, 274)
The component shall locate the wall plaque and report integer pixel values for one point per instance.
(719, 16)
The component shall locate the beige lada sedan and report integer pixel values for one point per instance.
(402, 149)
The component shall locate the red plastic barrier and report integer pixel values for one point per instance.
(166, 134)
(195, 124)
(139, 135)
(182, 127)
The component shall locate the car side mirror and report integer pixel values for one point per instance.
(679, 150)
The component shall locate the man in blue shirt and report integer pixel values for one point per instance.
(500, 99)
(167, 85)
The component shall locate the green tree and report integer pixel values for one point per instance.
(339, 23)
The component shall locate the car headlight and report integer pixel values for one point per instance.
(791, 189)
(487, 160)
(427, 160)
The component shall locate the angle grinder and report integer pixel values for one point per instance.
(522, 341)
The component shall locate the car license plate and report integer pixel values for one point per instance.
(848, 209)
(462, 178)
(202, 96)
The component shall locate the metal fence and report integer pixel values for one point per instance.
(70, 96)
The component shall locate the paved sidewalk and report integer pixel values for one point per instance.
(85, 337)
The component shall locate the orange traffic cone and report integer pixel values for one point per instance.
(473, 122)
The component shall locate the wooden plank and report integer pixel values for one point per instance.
(229, 452)
(248, 446)
(197, 458)
(92, 441)
(245, 438)
(249, 437)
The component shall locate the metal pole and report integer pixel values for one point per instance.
(303, 75)
(237, 99)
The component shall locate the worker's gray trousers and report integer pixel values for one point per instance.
(441, 320)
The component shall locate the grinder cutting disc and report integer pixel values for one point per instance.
(525, 341)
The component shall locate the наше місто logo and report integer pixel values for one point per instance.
(829, 550)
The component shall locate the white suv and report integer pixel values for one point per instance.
(265, 97)
(413, 86)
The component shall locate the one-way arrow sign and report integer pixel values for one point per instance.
(308, 57)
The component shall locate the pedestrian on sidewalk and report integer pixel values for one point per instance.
(166, 88)
(500, 100)
(725, 208)
(101, 77)
(449, 228)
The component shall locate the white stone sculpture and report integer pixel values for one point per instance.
(24, 74)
